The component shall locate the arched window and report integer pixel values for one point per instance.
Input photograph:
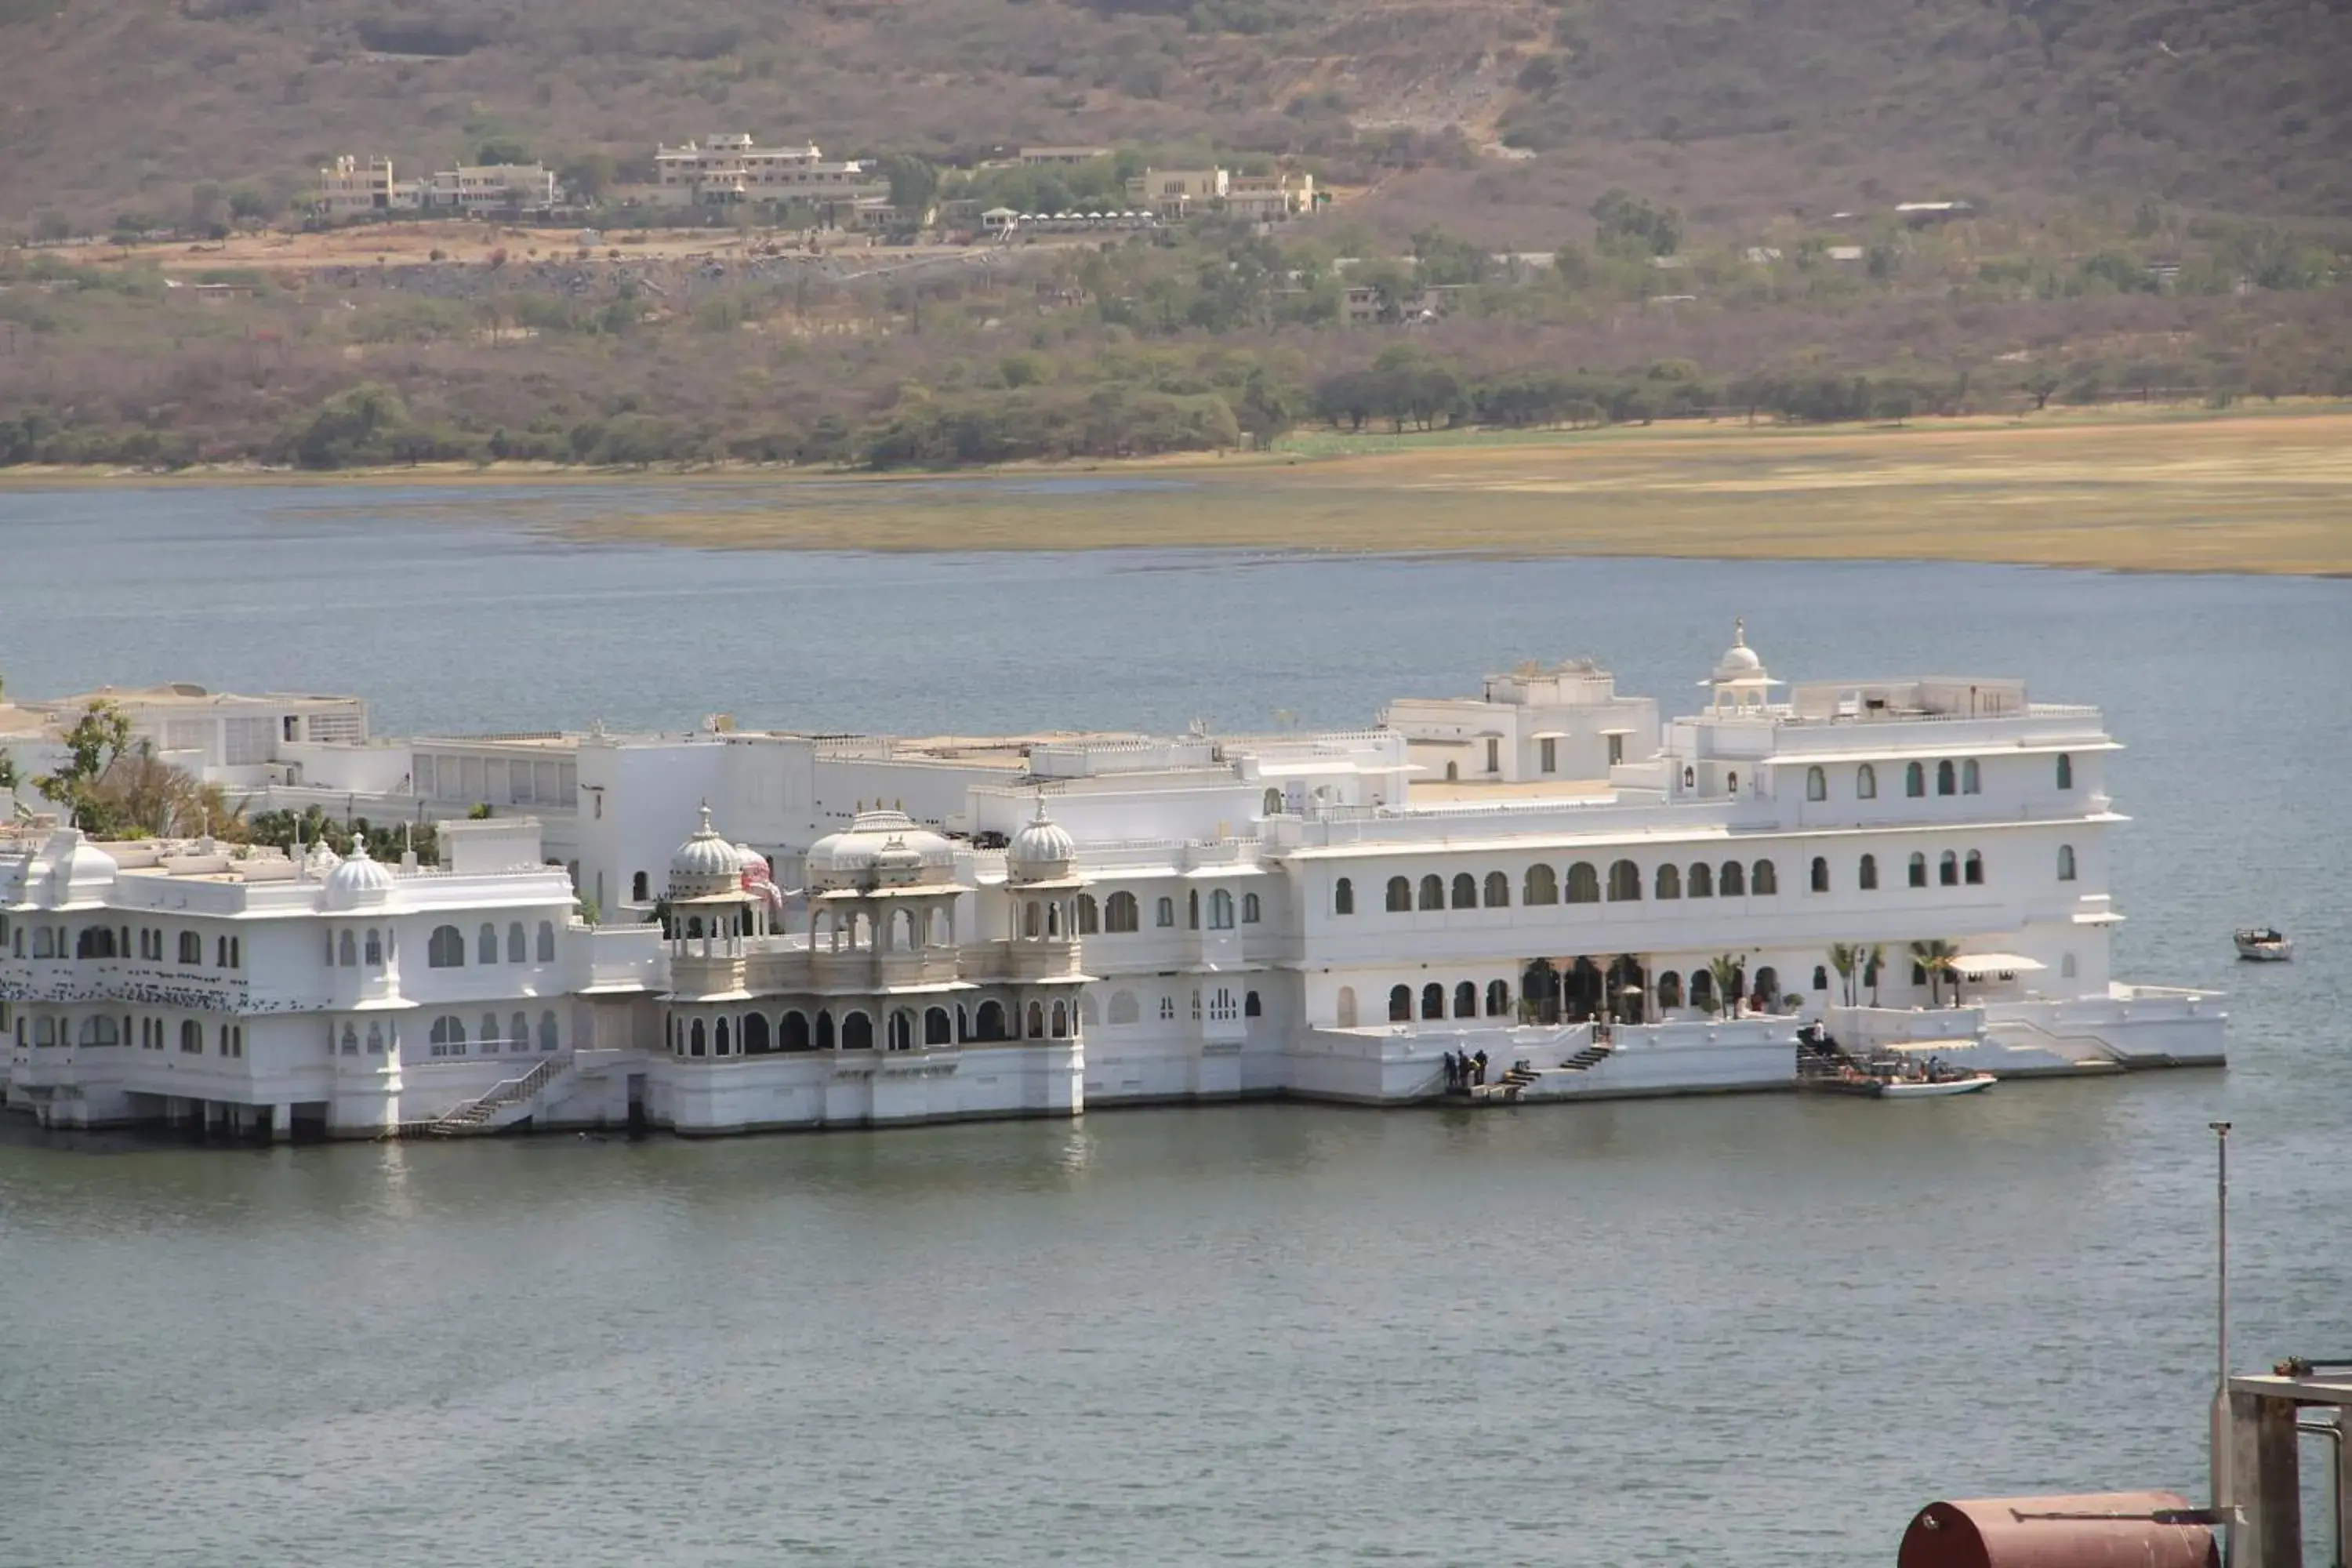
(1768, 984)
(1690, 778)
(1730, 881)
(1702, 989)
(192, 946)
(1947, 870)
(1032, 920)
(755, 1035)
(1865, 783)
(1453, 772)
(517, 951)
(1971, 778)
(1817, 785)
(1124, 1009)
(1868, 879)
(1821, 874)
(1670, 989)
(1919, 870)
(1583, 883)
(448, 1039)
(1251, 1007)
(2066, 771)
(694, 927)
(1253, 912)
(1061, 1024)
(1731, 783)
(1465, 1000)
(1221, 910)
(1192, 909)
(2065, 862)
(1433, 892)
(519, 1033)
(1343, 896)
(486, 944)
(1624, 882)
(1915, 781)
(2066, 967)
(1498, 998)
(373, 948)
(697, 1039)
(1946, 778)
(1498, 890)
(1432, 1000)
(1669, 881)
(1465, 890)
(1542, 886)
(792, 1033)
(825, 1038)
(1163, 914)
(1346, 1007)
(489, 1036)
(446, 949)
(1036, 1030)
(1274, 803)
(1820, 977)
(1972, 869)
(638, 887)
(347, 950)
(374, 1039)
(1764, 878)
(857, 1032)
(1400, 1004)
(1119, 914)
(1701, 880)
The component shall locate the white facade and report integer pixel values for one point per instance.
(1545, 873)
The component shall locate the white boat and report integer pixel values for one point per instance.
(2264, 945)
(1897, 1088)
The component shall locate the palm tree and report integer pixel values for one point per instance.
(1724, 970)
(1845, 957)
(1872, 964)
(1937, 957)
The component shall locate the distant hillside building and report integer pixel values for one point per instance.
(349, 189)
(730, 167)
(1046, 157)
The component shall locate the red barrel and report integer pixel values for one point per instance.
(2099, 1530)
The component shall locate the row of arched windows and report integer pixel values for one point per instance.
(1126, 1008)
(102, 1029)
(1965, 777)
(752, 1035)
(446, 949)
(112, 941)
(1582, 885)
(1467, 999)
(1121, 914)
(448, 1037)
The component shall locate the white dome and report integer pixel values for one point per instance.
(858, 854)
(1738, 660)
(360, 879)
(80, 869)
(1041, 850)
(706, 856)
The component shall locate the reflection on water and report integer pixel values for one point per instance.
(1750, 1330)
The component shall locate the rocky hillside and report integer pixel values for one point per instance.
(1501, 117)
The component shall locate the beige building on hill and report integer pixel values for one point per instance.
(730, 166)
(348, 188)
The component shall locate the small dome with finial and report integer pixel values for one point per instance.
(361, 880)
(1042, 851)
(705, 864)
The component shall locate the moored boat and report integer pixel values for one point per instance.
(2263, 944)
(1902, 1089)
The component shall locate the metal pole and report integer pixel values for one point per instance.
(2225, 1495)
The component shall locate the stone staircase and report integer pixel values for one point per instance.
(1590, 1057)
(504, 1104)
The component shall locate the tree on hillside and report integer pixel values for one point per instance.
(502, 149)
(1629, 227)
(913, 183)
(96, 739)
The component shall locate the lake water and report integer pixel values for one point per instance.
(1751, 1332)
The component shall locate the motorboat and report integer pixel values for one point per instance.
(1932, 1089)
(2263, 944)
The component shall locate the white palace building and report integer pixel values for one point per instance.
(861, 931)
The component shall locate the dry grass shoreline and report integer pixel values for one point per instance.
(2155, 490)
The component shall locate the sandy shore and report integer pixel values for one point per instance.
(2259, 493)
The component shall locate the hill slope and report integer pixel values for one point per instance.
(1735, 110)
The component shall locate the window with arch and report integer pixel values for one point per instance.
(1432, 1000)
(1399, 896)
(1060, 1027)
(1820, 881)
(1868, 878)
(1764, 878)
(1192, 909)
(1918, 870)
(1343, 896)
(1971, 777)
(1583, 883)
(1946, 778)
(1865, 783)
(546, 946)
(1433, 892)
(1163, 914)
(1669, 881)
(792, 1033)
(698, 1038)
(1670, 990)
(2066, 771)
(1498, 890)
(373, 948)
(1947, 870)
(1690, 778)
(857, 1032)
(2065, 862)
(486, 944)
(1251, 1007)
(1465, 1000)
(828, 1037)
(1453, 772)
(1465, 890)
(517, 950)
(192, 1038)
(1400, 1004)
(1221, 910)
(1972, 869)
(1542, 886)
(1345, 1007)
(1032, 920)
(519, 1033)
(1915, 781)
(1817, 785)
(192, 947)
(1089, 915)
(1119, 914)
(638, 887)
(448, 1037)
(489, 1036)
(1731, 881)
(1624, 882)
(445, 949)
(375, 1039)
(1498, 998)
(1252, 911)
(1731, 783)
(1702, 988)
(756, 1042)
(347, 950)
(1700, 884)
(1820, 977)
(1272, 802)
(1124, 1008)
